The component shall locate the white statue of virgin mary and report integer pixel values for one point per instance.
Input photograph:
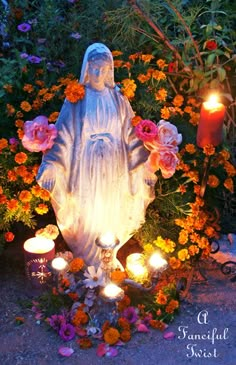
(96, 169)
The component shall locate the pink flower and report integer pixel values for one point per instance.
(146, 130)
(39, 135)
(168, 134)
(165, 160)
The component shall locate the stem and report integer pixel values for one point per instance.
(162, 36)
(188, 31)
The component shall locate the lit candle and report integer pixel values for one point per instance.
(113, 292)
(135, 266)
(59, 263)
(157, 263)
(38, 251)
(210, 127)
(107, 240)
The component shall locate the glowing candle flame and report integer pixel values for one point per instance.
(156, 261)
(134, 265)
(38, 245)
(107, 239)
(59, 263)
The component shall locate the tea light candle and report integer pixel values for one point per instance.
(157, 263)
(135, 266)
(59, 263)
(112, 292)
(210, 127)
(107, 240)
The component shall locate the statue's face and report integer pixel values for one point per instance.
(98, 71)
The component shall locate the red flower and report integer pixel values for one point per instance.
(9, 236)
(171, 67)
(211, 45)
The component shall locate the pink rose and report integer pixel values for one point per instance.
(164, 160)
(168, 134)
(38, 134)
(146, 130)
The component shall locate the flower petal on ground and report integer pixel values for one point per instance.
(65, 351)
(169, 335)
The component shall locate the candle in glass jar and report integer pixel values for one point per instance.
(210, 127)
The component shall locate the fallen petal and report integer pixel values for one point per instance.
(142, 328)
(65, 351)
(112, 352)
(101, 349)
(169, 335)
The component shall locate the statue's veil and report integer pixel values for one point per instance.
(98, 50)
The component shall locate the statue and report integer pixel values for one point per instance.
(96, 171)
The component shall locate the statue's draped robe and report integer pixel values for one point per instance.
(100, 172)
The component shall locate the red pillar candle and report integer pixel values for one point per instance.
(210, 127)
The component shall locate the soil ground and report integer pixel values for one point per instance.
(209, 308)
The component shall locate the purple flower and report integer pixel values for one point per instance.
(75, 35)
(56, 321)
(34, 59)
(130, 314)
(67, 332)
(24, 55)
(13, 141)
(24, 27)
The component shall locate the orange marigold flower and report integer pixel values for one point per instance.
(194, 118)
(28, 178)
(183, 237)
(48, 96)
(36, 190)
(174, 263)
(143, 78)
(80, 318)
(197, 189)
(76, 264)
(3, 199)
(203, 243)
(188, 109)
(12, 204)
(124, 303)
(123, 323)
(118, 276)
(26, 207)
(146, 58)
(74, 91)
(161, 94)
(25, 105)
(209, 150)
(210, 231)
(53, 117)
(41, 209)
(178, 100)
(161, 298)
(125, 336)
(35, 169)
(1, 190)
(28, 88)
(3, 143)
(118, 63)
(111, 336)
(193, 175)
(128, 88)
(213, 181)
(21, 157)
(10, 109)
(105, 326)
(11, 175)
(116, 53)
(21, 170)
(85, 343)
(183, 254)
(37, 104)
(136, 120)
(9, 236)
(158, 75)
(194, 237)
(230, 169)
(43, 91)
(19, 123)
(229, 184)
(134, 56)
(165, 113)
(182, 189)
(25, 196)
(161, 63)
(154, 323)
(20, 133)
(172, 306)
(193, 250)
(225, 155)
(40, 83)
(190, 148)
(44, 194)
(8, 88)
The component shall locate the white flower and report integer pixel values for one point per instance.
(94, 277)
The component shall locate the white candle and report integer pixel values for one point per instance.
(59, 263)
(38, 245)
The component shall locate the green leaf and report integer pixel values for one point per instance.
(221, 73)
(210, 59)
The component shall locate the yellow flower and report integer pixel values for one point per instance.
(158, 75)
(41, 209)
(183, 254)
(128, 88)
